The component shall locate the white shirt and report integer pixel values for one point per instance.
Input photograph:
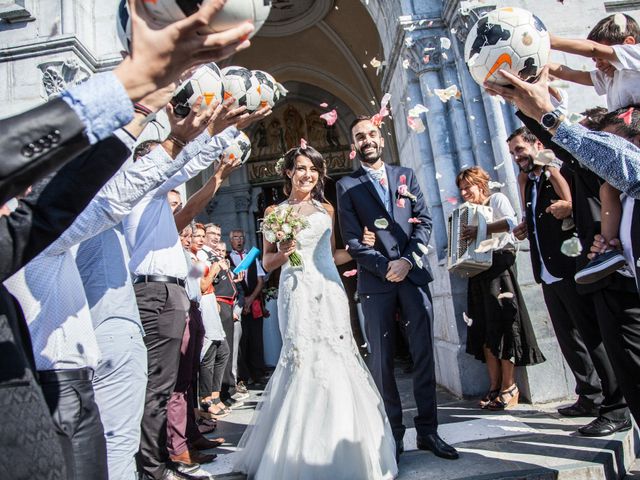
(623, 88)
(544, 273)
(150, 229)
(49, 288)
(502, 210)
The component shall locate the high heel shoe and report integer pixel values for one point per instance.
(507, 398)
(489, 397)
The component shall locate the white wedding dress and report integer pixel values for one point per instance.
(321, 416)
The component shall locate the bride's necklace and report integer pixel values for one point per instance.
(300, 202)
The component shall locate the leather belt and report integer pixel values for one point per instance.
(227, 300)
(158, 278)
(57, 376)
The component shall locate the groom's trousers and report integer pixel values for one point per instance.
(380, 310)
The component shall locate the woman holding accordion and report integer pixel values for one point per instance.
(500, 331)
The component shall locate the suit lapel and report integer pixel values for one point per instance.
(364, 178)
(392, 177)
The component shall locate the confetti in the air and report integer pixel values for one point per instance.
(576, 117)
(445, 56)
(405, 63)
(621, 21)
(453, 31)
(472, 117)
(452, 200)
(414, 220)
(381, 223)
(448, 93)
(423, 248)
(324, 104)
(571, 247)
(410, 28)
(350, 273)
(430, 23)
(626, 117)
(408, 42)
(417, 110)
(505, 295)
(416, 124)
(498, 166)
(438, 175)
(426, 59)
(495, 185)
(330, 117)
(352, 154)
(375, 63)
(445, 43)
(417, 260)
(303, 143)
(467, 319)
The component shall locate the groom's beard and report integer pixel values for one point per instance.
(372, 157)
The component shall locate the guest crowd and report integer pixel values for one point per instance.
(128, 330)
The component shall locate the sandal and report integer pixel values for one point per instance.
(489, 397)
(507, 398)
(213, 409)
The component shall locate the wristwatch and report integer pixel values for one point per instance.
(551, 120)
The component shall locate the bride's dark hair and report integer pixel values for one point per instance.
(316, 159)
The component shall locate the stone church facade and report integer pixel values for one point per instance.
(346, 54)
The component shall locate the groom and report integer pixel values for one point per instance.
(393, 275)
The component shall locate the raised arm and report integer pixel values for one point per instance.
(583, 47)
(570, 75)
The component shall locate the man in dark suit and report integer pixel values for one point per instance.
(392, 275)
(572, 315)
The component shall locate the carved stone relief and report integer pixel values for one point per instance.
(59, 75)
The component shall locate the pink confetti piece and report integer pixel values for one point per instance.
(626, 116)
(400, 203)
(330, 117)
(324, 104)
(426, 59)
(350, 273)
(414, 220)
(352, 154)
(452, 200)
(383, 182)
(303, 143)
(377, 120)
(402, 179)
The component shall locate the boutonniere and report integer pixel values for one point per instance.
(403, 190)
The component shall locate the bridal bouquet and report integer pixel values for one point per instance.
(284, 224)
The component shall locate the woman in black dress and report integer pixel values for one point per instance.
(500, 331)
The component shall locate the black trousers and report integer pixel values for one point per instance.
(163, 310)
(576, 325)
(76, 418)
(228, 380)
(212, 367)
(251, 349)
(619, 318)
(416, 312)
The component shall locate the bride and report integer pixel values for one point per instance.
(321, 416)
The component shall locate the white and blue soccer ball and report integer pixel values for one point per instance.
(206, 82)
(269, 92)
(240, 148)
(507, 38)
(243, 86)
(123, 25)
(233, 13)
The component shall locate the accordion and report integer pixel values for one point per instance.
(462, 257)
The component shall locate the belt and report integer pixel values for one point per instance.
(227, 300)
(157, 278)
(57, 376)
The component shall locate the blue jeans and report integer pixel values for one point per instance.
(119, 383)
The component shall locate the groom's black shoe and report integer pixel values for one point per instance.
(438, 446)
(399, 449)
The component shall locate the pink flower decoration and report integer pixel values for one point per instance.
(376, 120)
(414, 220)
(330, 117)
(324, 104)
(400, 203)
(402, 179)
(352, 154)
(626, 116)
(350, 273)
(403, 189)
(303, 143)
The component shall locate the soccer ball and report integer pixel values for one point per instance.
(233, 13)
(242, 85)
(205, 82)
(507, 38)
(269, 92)
(239, 148)
(123, 25)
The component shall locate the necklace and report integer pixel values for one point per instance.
(294, 202)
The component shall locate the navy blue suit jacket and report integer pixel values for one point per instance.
(359, 205)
